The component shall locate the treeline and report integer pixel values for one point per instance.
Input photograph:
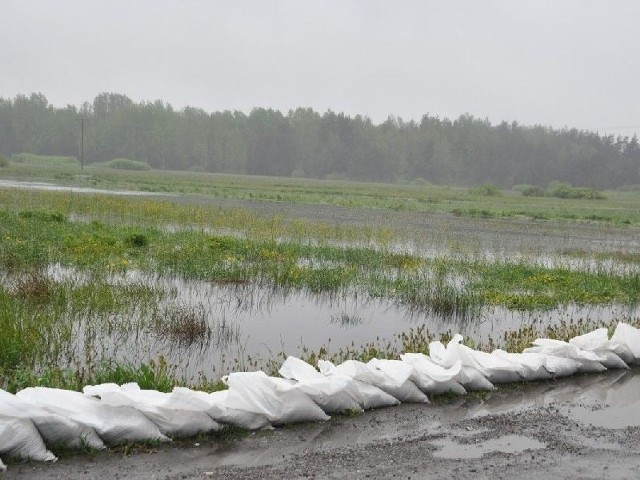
(305, 143)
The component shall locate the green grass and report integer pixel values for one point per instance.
(31, 160)
(100, 238)
(487, 202)
(124, 164)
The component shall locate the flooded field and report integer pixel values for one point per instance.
(224, 328)
(204, 286)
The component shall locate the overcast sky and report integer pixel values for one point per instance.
(551, 62)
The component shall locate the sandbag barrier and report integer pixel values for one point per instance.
(109, 414)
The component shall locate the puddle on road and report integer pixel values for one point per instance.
(614, 406)
(508, 444)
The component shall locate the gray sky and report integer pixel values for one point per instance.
(551, 62)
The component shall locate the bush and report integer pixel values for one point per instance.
(4, 161)
(126, 164)
(486, 189)
(533, 191)
(565, 190)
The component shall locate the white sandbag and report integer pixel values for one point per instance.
(599, 343)
(559, 366)
(629, 338)
(532, 364)
(98, 390)
(595, 340)
(589, 361)
(494, 369)
(332, 394)
(157, 406)
(54, 429)
(3, 467)
(114, 425)
(215, 405)
(397, 382)
(431, 378)
(611, 360)
(469, 376)
(372, 396)
(19, 438)
(471, 379)
(275, 398)
(354, 369)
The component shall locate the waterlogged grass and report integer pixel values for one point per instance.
(54, 329)
(447, 286)
(526, 287)
(618, 208)
(174, 215)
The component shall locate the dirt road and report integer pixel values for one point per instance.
(583, 427)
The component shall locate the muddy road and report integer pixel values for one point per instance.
(586, 426)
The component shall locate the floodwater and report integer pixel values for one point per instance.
(250, 325)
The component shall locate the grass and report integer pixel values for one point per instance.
(63, 330)
(31, 160)
(486, 201)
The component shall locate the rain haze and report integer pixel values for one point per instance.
(573, 63)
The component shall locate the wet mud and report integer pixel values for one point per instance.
(587, 426)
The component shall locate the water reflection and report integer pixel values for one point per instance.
(248, 325)
(210, 328)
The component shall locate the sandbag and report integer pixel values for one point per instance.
(406, 391)
(54, 429)
(431, 378)
(398, 383)
(3, 467)
(19, 438)
(589, 361)
(332, 394)
(216, 406)
(494, 369)
(469, 375)
(372, 396)
(157, 406)
(275, 398)
(628, 338)
(599, 343)
(114, 425)
(532, 365)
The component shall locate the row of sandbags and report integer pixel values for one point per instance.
(109, 414)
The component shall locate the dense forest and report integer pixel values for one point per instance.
(305, 143)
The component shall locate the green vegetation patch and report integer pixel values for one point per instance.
(44, 160)
(125, 164)
(562, 190)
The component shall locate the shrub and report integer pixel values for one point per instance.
(4, 161)
(533, 191)
(137, 240)
(126, 164)
(486, 189)
(565, 190)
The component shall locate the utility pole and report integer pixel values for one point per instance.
(81, 143)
